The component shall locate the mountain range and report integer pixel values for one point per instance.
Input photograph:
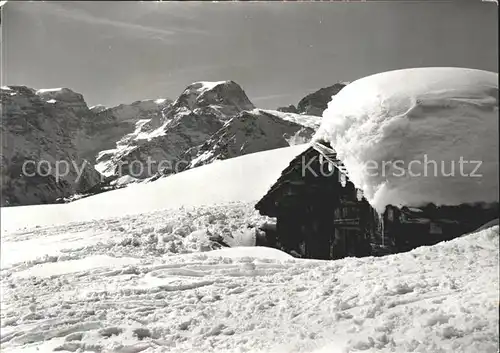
(55, 148)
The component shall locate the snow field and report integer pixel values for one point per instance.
(442, 298)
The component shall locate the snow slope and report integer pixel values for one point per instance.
(113, 295)
(386, 126)
(246, 178)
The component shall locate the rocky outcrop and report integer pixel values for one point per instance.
(315, 103)
(116, 123)
(248, 132)
(42, 133)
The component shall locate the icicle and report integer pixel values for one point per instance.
(321, 159)
(330, 167)
(381, 223)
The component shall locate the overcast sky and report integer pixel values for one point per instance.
(278, 52)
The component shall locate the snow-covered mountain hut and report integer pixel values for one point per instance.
(319, 212)
(431, 135)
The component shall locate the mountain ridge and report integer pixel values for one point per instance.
(208, 121)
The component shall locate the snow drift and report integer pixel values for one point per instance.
(416, 136)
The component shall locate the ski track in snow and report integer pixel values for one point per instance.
(141, 284)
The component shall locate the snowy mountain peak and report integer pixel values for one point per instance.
(221, 93)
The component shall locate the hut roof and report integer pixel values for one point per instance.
(288, 176)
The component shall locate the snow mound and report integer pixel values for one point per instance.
(416, 136)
